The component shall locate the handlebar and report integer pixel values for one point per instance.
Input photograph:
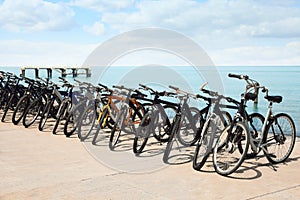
(153, 92)
(238, 76)
(178, 91)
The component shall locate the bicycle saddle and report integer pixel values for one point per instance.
(250, 96)
(276, 99)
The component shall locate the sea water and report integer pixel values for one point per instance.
(280, 80)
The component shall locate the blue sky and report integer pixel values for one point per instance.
(232, 32)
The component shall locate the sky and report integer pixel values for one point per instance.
(232, 32)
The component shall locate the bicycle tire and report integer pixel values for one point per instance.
(73, 119)
(281, 133)
(187, 134)
(59, 115)
(162, 127)
(20, 109)
(203, 148)
(32, 112)
(114, 137)
(7, 106)
(227, 146)
(174, 131)
(142, 134)
(102, 123)
(207, 139)
(45, 116)
(256, 122)
(87, 122)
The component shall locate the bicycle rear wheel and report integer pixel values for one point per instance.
(279, 138)
(226, 156)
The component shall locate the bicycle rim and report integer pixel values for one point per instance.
(280, 138)
(226, 157)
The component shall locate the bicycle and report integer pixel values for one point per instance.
(77, 111)
(278, 133)
(128, 116)
(156, 121)
(36, 107)
(53, 101)
(95, 114)
(212, 124)
(31, 92)
(107, 112)
(13, 92)
(185, 125)
(67, 103)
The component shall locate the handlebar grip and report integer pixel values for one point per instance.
(120, 87)
(245, 77)
(234, 76)
(231, 100)
(202, 97)
(174, 88)
(143, 86)
(206, 91)
(77, 81)
(140, 93)
(101, 85)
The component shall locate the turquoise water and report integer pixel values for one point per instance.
(284, 81)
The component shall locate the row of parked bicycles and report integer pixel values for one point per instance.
(86, 110)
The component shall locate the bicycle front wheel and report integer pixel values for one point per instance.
(162, 123)
(226, 157)
(87, 122)
(32, 112)
(255, 122)
(279, 138)
(187, 134)
(73, 119)
(204, 147)
(61, 112)
(20, 109)
(142, 133)
(117, 129)
(101, 124)
(174, 130)
(45, 116)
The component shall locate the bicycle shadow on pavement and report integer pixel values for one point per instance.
(250, 168)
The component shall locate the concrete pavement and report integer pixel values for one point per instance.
(39, 165)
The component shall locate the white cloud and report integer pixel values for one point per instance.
(97, 29)
(252, 18)
(258, 55)
(103, 5)
(34, 15)
(20, 53)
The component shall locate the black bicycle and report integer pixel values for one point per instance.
(156, 121)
